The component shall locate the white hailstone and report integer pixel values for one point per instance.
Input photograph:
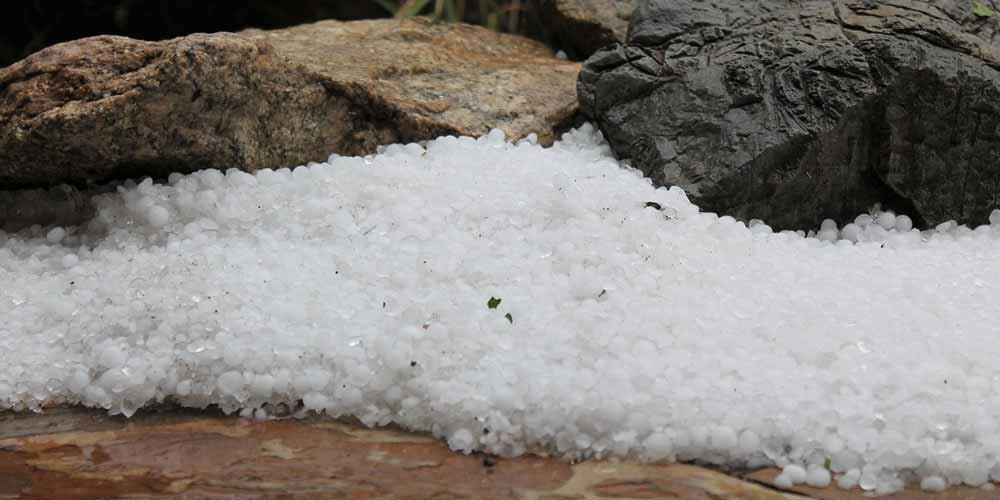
(157, 216)
(230, 383)
(995, 217)
(112, 356)
(70, 260)
(828, 224)
(724, 438)
(875, 232)
(316, 400)
(863, 220)
(849, 479)
(947, 226)
(658, 447)
(461, 440)
(869, 478)
(496, 137)
(975, 475)
(903, 223)
(887, 485)
(851, 232)
(818, 477)
(55, 235)
(795, 473)
(561, 55)
(783, 481)
(260, 414)
(886, 219)
(262, 386)
(828, 235)
(933, 484)
(749, 442)
(78, 381)
(414, 150)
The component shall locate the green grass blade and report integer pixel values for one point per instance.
(411, 8)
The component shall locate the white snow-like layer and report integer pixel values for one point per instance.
(361, 286)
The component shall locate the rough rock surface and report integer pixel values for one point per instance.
(76, 453)
(112, 107)
(80, 454)
(584, 26)
(796, 111)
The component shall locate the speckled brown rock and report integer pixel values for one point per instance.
(81, 454)
(112, 107)
(583, 26)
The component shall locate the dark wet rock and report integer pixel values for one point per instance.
(796, 111)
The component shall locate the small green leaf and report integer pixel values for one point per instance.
(509, 318)
(827, 463)
(982, 10)
(411, 8)
(493, 303)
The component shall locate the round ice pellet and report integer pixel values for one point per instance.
(946, 226)
(55, 235)
(158, 216)
(796, 473)
(903, 223)
(828, 234)
(783, 481)
(461, 440)
(887, 220)
(496, 137)
(818, 477)
(851, 232)
(849, 479)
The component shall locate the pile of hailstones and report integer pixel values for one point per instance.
(880, 226)
(877, 226)
(885, 227)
